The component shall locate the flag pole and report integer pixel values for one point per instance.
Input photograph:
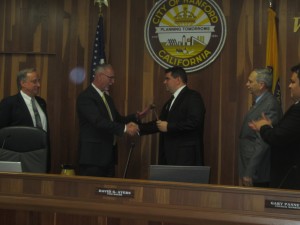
(100, 3)
(98, 56)
(270, 4)
(272, 50)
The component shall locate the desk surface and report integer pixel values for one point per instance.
(149, 200)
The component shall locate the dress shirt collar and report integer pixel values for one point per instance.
(101, 93)
(259, 97)
(25, 96)
(176, 93)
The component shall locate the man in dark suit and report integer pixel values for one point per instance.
(180, 124)
(284, 139)
(17, 110)
(25, 108)
(254, 153)
(100, 123)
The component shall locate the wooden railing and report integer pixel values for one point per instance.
(57, 199)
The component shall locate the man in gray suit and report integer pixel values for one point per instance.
(254, 153)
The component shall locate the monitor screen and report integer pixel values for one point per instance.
(8, 166)
(190, 174)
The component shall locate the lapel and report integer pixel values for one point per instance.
(100, 103)
(41, 104)
(257, 105)
(179, 98)
(24, 107)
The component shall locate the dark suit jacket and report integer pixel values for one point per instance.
(182, 144)
(14, 112)
(284, 139)
(254, 153)
(96, 129)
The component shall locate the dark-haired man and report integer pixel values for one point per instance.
(180, 124)
(284, 139)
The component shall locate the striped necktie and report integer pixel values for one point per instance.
(107, 107)
(110, 115)
(38, 121)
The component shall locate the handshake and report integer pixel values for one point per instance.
(132, 129)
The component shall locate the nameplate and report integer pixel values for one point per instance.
(282, 204)
(115, 192)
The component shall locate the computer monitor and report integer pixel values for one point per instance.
(8, 166)
(189, 174)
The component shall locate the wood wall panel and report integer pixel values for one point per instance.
(29, 199)
(57, 36)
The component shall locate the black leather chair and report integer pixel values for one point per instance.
(27, 145)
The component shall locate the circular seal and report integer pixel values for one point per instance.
(186, 33)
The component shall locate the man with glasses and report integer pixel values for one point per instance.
(100, 123)
(254, 154)
(25, 108)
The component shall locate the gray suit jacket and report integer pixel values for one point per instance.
(254, 153)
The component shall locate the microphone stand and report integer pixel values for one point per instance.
(128, 159)
(153, 108)
(294, 167)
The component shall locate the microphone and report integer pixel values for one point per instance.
(129, 156)
(4, 140)
(294, 167)
(153, 108)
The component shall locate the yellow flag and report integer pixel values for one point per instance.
(272, 52)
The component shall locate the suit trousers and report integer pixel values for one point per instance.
(97, 171)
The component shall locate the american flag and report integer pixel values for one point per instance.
(98, 49)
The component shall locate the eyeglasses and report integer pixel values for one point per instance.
(109, 77)
(35, 81)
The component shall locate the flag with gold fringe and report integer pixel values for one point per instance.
(272, 52)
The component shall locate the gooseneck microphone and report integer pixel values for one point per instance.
(129, 156)
(153, 108)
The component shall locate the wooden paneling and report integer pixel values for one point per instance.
(58, 199)
(56, 36)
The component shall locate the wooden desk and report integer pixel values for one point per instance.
(57, 199)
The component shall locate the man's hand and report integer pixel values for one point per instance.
(162, 125)
(247, 181)
(141, 114)
(257, 124)
(132, 129)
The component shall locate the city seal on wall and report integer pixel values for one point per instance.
(186, 33)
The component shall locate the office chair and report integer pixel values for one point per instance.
(27, 145)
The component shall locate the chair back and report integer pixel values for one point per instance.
(27, 145)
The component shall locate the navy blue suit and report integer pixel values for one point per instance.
(14, 112)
